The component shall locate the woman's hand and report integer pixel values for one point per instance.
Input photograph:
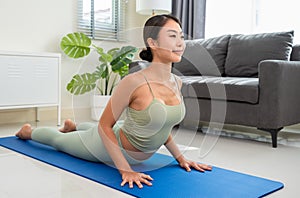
(137, 178)
(187, 164)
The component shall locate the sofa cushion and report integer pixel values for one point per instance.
(246, 51)
(295, 56)
(221, 88)
(203, 57)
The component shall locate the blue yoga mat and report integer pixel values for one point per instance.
(169, 179)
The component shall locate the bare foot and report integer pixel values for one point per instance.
(69, 126)
(25, 132)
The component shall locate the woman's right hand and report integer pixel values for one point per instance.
(132, 177)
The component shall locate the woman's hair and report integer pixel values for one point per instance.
(151, 29)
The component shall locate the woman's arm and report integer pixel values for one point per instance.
(113, 110)
(110, 141)
(173, 149)
(184, 163)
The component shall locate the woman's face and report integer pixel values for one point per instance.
(169, 45)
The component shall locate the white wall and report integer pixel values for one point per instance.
(228, 17)
(35, 25)
(38, 26)
(251, 16)
(278, 15)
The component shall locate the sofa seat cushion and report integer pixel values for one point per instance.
(221, 88)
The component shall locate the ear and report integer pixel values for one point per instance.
(151, 42)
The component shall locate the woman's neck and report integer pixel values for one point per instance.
(161, 71)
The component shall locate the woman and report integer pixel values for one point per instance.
(151, 102)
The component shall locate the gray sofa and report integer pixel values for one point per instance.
(251, 80)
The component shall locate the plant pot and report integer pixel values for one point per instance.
(98, 104)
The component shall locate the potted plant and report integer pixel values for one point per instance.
(113, 65)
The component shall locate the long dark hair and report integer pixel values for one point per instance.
(151, 29)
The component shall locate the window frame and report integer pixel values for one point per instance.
(103, 31)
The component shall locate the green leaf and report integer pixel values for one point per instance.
(99, 49)
(105, 73)
(100, 71)
(123, 71)
(106, 58)
(113, 51)
(81, 84)
(122, 58)
(123, 52)
(75, 45)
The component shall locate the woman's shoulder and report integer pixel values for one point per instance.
(177, 77)
(133, 77)
(127, 86)
(178, 80)
(132, 81)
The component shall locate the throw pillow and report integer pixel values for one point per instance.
(246, 51)
(295, 56)
(203, 57)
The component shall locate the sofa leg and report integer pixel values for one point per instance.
(274, 133)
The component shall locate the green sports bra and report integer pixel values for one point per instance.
(148, 129)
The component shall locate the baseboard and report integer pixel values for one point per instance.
(192, 124)
(44, 114)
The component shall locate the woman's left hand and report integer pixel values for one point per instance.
(187, 164)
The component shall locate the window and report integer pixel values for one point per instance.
(251, 16)
(102, 19)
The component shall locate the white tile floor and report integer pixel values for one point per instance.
(21, 176)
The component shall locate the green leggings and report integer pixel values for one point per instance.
(84, 143)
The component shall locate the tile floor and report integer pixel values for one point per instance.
(21, 176)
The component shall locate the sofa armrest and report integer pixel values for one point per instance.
(279, 102)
